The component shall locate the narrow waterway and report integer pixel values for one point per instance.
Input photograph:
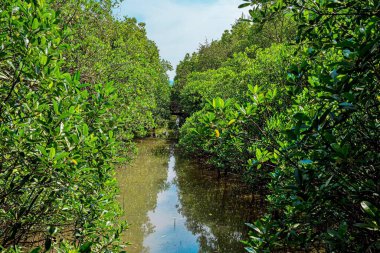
(173, 205)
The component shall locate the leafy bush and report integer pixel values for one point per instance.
(65, 118)
(310, 137)
(267, 70)
(331, 161)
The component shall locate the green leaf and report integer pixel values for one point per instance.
(254, 228)
(35, 24)
(372, 227)
(36, 250)
(370, 209)
(61, 155)
(211, 116)
(244, 5)
(259, 154)
(219, 103)
(85, 129)
(85, 248)
(336, 147)
(52, 153)
(250, 250)
(328, 181)
(56, 108)
(43, 59)
(42, 150)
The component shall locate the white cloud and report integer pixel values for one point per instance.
(178, 27)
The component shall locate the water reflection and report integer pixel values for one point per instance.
(216, 210)
(140, 184)
(175, 206)
(171, 234)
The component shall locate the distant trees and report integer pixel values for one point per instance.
(244, 38)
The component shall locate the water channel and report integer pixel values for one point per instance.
(174, 205)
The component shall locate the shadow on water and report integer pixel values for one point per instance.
(173, 205)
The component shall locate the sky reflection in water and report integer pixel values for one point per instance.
(171, 234)
(175, 206)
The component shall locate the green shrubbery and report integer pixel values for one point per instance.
(237, 108)
(70, 99)
(266, 67)
(308, 134)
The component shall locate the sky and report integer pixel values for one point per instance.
(179, 26)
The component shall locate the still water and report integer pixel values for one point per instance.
(173, 205)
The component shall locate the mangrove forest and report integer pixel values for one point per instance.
(267, 140)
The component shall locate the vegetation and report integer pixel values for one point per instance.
(76, 86)
(289, 99)
(226, 63)
(297, 118)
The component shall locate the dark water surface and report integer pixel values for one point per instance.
(173, 205)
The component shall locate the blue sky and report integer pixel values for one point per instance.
(179, 26)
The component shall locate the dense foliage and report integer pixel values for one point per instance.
(76, 86)
(226, 63)
(306, 128)
(108, 50)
